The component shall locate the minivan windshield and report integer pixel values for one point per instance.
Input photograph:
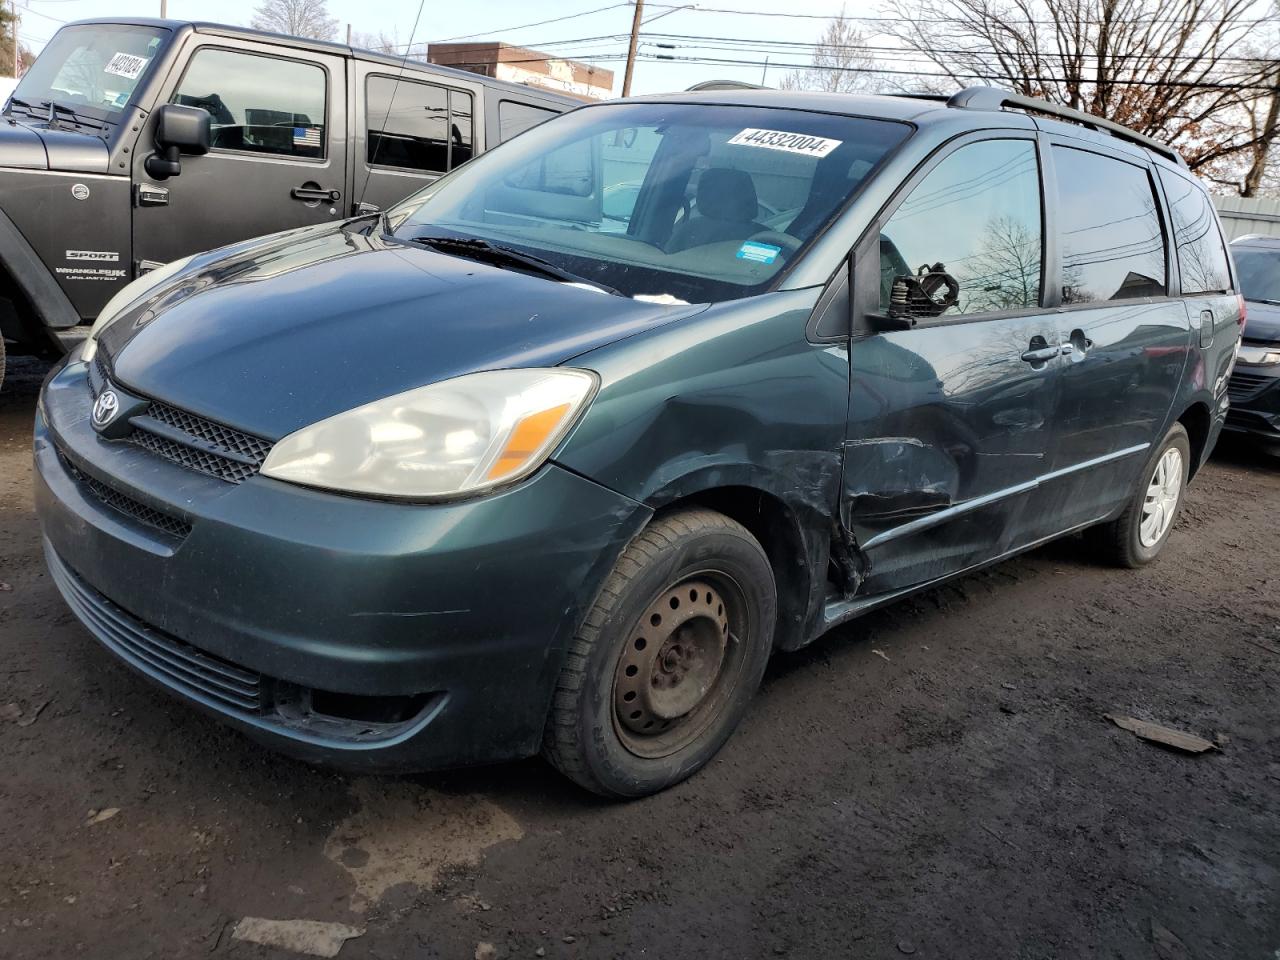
(91, 70)
(690, 202)
(1259, 272)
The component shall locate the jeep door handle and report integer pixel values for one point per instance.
(316, 193)
(1041, 354)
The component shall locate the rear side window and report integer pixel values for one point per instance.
(1202, 257)
(1109, 227)
(514, 118)
(976, 215)
(416, 126)
(259, 104)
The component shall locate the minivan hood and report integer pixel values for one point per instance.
(285, 331)
(1263, 323)
(36, 146)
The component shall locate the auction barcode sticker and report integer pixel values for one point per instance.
(800, 143)
(126, 65)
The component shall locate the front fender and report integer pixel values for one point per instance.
(733, 398)
(29, 274)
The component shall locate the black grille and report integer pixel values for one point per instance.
(130, 507)
(199, 444)
(189, 440)
(180, 665)
(1242, 386)
(101, 375)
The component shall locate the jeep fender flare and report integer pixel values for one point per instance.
(52, 307)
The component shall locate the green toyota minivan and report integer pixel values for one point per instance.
(555, 454)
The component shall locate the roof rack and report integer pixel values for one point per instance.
(993, 98)
(725, 85)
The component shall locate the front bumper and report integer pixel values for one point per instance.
(368, 634)
(1254, 393)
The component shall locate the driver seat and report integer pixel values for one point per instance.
(725, 209)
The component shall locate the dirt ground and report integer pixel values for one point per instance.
(936, 780)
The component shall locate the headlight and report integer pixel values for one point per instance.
(130, 294)
(1258, 356)
(445, 440)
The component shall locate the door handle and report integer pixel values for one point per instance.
(315, 194)
(1041, 354)
(1206, 328)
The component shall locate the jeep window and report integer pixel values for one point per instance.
(555, 192)
(92, 69)
(976, 216)
(461, 117)
(416, 126)
(259, 104)
(1112, 243)
(408, 124)
(1202, 257)
(514, 118)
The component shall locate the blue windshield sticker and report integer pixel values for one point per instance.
(758, 252)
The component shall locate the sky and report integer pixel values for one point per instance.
(496, 20)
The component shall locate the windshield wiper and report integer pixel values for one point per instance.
(15, 102)
(499, 255)
(56, 108)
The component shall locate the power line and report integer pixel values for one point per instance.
(727, 61)
(729, 43)
(536, 23)
(880, 19)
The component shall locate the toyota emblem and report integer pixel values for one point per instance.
(105, 408)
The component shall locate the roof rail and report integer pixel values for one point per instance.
(725, 85)
(993, 98)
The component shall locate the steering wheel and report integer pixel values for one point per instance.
(778, 239)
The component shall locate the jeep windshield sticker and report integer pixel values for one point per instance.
(126, 65)
(800, 143)
(758, 252)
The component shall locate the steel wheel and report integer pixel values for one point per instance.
(1161, 503)
(673, 672)
(663, 667)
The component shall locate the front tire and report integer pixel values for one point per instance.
(1136, 537)
(667, 659)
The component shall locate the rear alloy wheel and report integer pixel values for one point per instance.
(667, 658)
(1135, 537)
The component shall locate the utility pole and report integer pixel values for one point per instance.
(348, 34)
(631, 51)
(765, 72)
(164, 9)
(16, 46)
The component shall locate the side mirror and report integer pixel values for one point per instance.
(931, 292)
(179, 130)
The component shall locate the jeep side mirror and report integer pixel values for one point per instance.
(179, 129)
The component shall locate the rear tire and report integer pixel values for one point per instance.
(667, 659)
(1136, 537)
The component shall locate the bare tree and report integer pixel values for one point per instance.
(1176, 70)
(390, 44)
(7, 23)
(298, 18)
(839, 59)
(1005, 272)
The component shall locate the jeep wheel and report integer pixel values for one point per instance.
(662, 669)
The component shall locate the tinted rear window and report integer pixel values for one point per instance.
(1109, 227)
(1202, 257)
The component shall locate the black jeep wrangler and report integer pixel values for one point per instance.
(130, 143)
